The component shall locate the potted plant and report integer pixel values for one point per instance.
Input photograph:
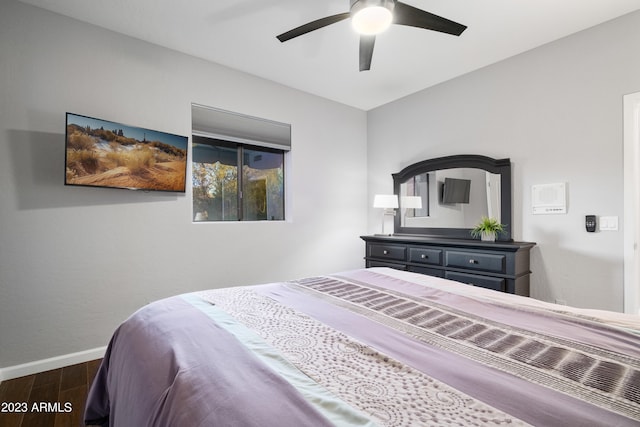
(487, 229)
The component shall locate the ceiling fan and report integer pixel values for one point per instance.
(371, 17)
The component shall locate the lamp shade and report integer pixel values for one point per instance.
(412, 202)
(387, 201)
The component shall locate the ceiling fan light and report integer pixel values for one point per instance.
(373, 18)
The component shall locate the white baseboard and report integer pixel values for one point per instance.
(37, 366)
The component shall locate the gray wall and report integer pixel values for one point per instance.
(556, 111)
(75, 262)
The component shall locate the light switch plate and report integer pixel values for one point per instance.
(608, 223)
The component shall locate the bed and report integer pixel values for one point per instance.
(370, 347)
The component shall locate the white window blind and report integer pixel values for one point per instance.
(221, 124)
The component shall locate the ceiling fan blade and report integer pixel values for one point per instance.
(311, 26)
(403, 14)
(366, 51)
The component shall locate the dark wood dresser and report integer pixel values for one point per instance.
(502, 266)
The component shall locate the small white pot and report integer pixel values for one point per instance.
(488, 237)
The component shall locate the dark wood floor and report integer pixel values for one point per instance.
(67, 386)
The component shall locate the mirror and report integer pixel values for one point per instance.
(447, 196)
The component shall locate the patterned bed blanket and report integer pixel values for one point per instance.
(364, 348)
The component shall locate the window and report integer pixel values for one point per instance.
(237, 166)
(222, 193)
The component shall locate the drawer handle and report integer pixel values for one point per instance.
(385, 252)
(423, 256)
(473, 261)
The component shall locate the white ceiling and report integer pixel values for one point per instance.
(241, 34)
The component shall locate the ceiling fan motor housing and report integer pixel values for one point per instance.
(371, 17)
(358, 5)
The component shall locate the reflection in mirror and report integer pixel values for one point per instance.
(415, 186)
(448, 206)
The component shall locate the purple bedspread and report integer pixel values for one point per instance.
(169, 365)
(362, 348)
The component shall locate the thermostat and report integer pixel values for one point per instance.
(549, 199)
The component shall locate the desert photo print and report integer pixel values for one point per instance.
(101, 153)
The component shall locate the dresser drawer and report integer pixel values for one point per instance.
(386, 264)
(494, 263)
(425, 256)
(495, 283)
(426, 270)
(391, 252)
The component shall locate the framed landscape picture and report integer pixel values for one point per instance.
(101, 153)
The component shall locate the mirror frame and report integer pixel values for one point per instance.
(501, 167)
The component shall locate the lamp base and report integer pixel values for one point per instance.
(387, 213)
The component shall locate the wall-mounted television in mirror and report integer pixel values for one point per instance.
(455, 190)
(100, 153)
